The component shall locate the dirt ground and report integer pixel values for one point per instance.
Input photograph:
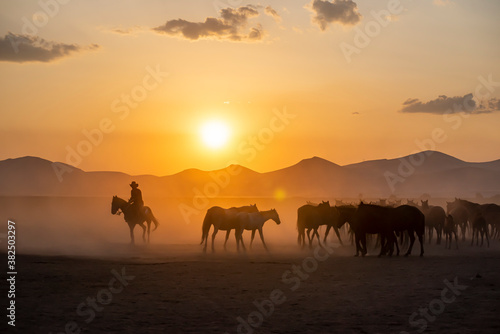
(178, 289)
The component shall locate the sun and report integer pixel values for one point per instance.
(215, 134)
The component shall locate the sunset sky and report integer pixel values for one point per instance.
(287, 79)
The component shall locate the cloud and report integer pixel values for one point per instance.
(273, 13)
(344, 12)
(26, 48)
(443, 3)
(231, 25)
(125, 31)
(451, 105)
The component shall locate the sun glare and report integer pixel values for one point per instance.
(215, 134)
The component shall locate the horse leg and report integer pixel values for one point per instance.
(262, 238)
(317, 236)
(149, 230)
(213, 238)
(309, 237)
(487, 240)
(240, 237)
(227, 237)
(392, 240)
(143, 231)
(132, 241)
(358, 244)
(397, 246)
(251, 240)
(338, 235)
(412, 241)
(364, 249)
(326, 233)
(456, 238)
(421, 240)
(383, 244)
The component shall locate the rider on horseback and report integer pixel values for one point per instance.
(135, 201)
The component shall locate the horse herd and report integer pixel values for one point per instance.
(388, 222)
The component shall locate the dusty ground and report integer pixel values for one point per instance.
(177, 289)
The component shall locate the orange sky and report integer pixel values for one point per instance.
(358, 80)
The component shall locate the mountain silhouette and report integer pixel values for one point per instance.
(430, 172)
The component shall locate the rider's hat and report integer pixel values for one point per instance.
(134, 184)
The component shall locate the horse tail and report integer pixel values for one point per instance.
(205, 228)
(301, 230)
(155, 221)
(149, 214)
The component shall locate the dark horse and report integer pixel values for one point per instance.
(460, 216)
(374, 219)
(310, 217)
(131, 217)
(226, 220)
(434, 220)
(490, 212)
(341, 214)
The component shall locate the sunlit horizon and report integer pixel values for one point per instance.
(372, 85)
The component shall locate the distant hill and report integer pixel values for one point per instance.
(430, 172)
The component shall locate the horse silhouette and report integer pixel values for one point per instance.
(254, 221)
(479, 226)
(434, 220)
(226, 220)
(490, 212)
(341, 214)
(460, 216)
(375, 219)
(132, 219)
(310, 217)
(371, 219)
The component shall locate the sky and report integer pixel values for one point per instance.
(129, 85)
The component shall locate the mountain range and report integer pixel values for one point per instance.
(430, 172)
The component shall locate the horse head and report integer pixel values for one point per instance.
(275, 216)
(115, 206)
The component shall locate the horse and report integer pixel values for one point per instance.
(341, 214)
(371, 219)
(449, 229)
(224, 219)
(479, 226)
(311, 217)
(132, 219)
(409, 219)
(434, 220)
(460, 216)
(255, 221)
(375, 219)
(490, 212)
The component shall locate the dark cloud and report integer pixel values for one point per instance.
(230, 25)
(26, 48)
(271, 12)
(450, 105)
(489, 106)
(344, 12)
